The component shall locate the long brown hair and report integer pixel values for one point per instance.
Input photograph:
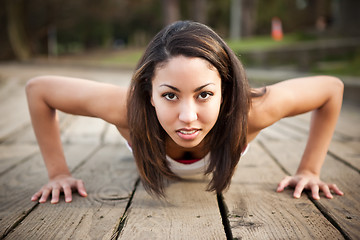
(227, 138)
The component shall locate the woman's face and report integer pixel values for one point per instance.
(186, 94)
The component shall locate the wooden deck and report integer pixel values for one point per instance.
(118, 206)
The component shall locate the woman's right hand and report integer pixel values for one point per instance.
(58, 184)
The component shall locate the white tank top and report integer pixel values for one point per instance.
(188, 170)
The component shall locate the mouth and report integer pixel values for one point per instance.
(188, 134)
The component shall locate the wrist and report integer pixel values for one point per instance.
(56, 174)
(301, 171)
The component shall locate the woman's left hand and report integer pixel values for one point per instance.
(308, 181)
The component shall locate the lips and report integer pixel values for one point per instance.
(188, 134)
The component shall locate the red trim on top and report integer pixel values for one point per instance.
(190, 161)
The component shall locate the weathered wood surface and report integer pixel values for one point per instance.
(119, 207)
(256, 211)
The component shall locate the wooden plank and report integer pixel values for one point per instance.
(14, 113)
(112, 136)
(189, 212)
(345, 210)
(85, 130)
(27, 135)
(301, 125)
(348, 152)
(256, 211)
(346, 129)
(10, 85)
(348, 123)
(12, 155)
(110, 176)
(284, 132)
(20, 183)
(344, 147)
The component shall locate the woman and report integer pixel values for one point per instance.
(189, 109)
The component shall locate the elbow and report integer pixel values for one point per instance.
(338, 86)
(336, 92)
(33, 85)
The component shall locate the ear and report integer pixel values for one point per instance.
(152, 101)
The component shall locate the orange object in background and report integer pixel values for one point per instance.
(276, 29)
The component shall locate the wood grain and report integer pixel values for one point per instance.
(109, 176)
(19, 184)
(344, 210)
(256, 211)
(189, 212)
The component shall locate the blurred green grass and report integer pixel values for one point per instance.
(126, 58)
(262, 43)
(339, 68)
(129, 57)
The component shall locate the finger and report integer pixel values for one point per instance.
(45, 195)
(283, 184)
(81, 188)
(55, 195)
(68, 193)
(36, 196)
(336, 189)
(326, 191)
(299, 188)
(315, 191)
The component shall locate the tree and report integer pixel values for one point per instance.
(171, 11)
(199, 11)
(16, 29)
(346, 17)
(242, 18)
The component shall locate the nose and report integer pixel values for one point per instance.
(188, 112)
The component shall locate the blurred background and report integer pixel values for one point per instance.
(320, 36)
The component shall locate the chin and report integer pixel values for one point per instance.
(188, 144)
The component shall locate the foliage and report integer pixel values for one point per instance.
(85, 24)
(261, 43)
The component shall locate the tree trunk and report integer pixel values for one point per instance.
(16, 30)
(248, 17)
(198, 10)
(235, 19)
(171, 11)
(347, 17)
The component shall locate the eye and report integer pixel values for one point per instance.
(205, 95)
(170, 96)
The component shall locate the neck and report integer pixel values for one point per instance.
(175, 151)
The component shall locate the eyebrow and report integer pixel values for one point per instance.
(177, 90)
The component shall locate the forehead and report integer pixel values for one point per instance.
(181, 70)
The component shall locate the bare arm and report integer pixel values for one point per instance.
(76, 96)
(323, 96)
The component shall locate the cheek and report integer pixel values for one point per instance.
(164, 115)
(210, 114)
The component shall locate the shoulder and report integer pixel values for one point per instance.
(82, 97)
(291, 97)
(111, 104)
